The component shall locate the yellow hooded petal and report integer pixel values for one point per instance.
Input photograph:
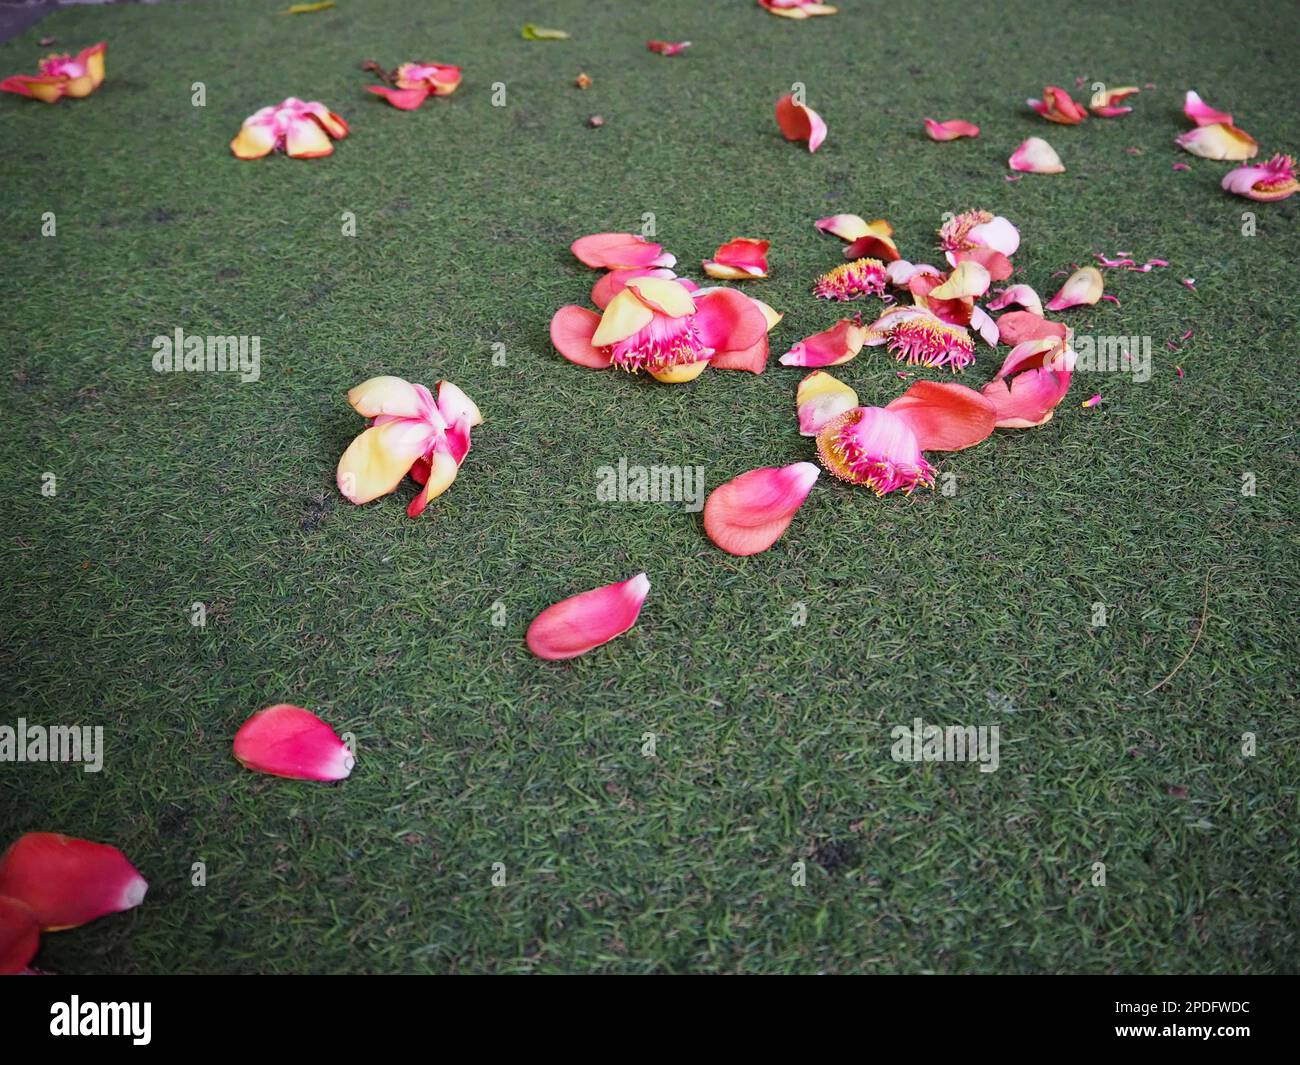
(386, 395)
(377, 460)
(624, 316)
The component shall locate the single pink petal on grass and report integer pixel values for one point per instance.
(571, 331)
(1190, 283)
(749, 513)
(1221, 141)
(68, 882)
(944, 416)
(288, 741)
(1181, 166)
(1107, 103)
(575, 625)
(799, 122)
(739, 260)
(1274, 180)
(1036, 156)
(1018, 295)
(950, 130)
(668, 47)
(1083, 287)
(820, 399)
(1016, 327)
(1092, 400)
(402, 99)
(20, 935)
(620, 251)
(831, 347)
(1201, 113)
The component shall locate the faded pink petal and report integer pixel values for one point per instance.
(288, 741)
(1219, 141)
(944, 416)
(1018, 295)
(950, 130)
(1201, 113)
(67, 882)
(749, 513)
(620, 251)
(1036, 156)
(799, 122)
(575, 625)
(831, 347)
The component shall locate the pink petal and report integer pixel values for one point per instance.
(1019, 326)
(727, 320)
(571, 331)
(831, 347)
(994, 261)
(403, 99)
(1022, 295)
(67, 882)
(1036, 156)
(799, 122)
(288, 741)
(950, 130)
(667, 47)
(20, 935)
(1202, 113)
(748, 514)
(1083, 287)
(945, 416)
(575, 625)
(613, 282)
(612, 251)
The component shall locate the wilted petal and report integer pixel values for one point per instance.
(749, 513)
(1084, 286)
(1036, 156)
(615, 251)
(1201, 113)
(1021, 295)
(950, 130)
(575, 625)
(831, 347)
(67, 882)
(1219, 141)
(20, 935)
(288, 741)
(402, 99)
(799, 122)
(738, 260)
(944, 416)
(820, 399)
(1274, 180)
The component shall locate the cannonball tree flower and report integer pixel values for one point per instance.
(1274, 180)
(1056, 106)
(1036, 156)
(61, 75)
(917, 336)
(981, 237)
(797, 9)
(800, 122)
(584, 621)
(67, 882)
(413, 83)
(304, 130)
(862, 277)
(1031, 383)
(1220, 140)
(1107, 103)
(739, 260)
(950, 130)
(620, 251)
(749, 513)
(410, 432)
(873, 239)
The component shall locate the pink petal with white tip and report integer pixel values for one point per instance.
(950, 130)
(1082, 288)
(749, 513)
(1201, 113)
(288, 741)
(831, 347)
(1036, 156)
(67, 882)
(1021, 296)
(575, 625)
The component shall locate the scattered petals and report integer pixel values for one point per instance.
(748, 514)
(575, 625)
(67, 882)
(288, 741)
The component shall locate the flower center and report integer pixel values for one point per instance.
(664, 343)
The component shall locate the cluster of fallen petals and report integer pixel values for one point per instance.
(409, 432)
(1213, 135)
(51, 882)
(61, 75)
(301, 129)
(653, 321)
(413, 83)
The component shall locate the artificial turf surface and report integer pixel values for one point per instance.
(773, 740)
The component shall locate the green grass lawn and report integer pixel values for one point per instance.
(773, 740)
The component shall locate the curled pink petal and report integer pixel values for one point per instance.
(1018, 295)
(950, 130)
(67, 882)
(831, 347)
(402, 99)
(288, 741)
(1083, 287)
(1201, 113)
(799, 122)
(749, 513)
(575, 625)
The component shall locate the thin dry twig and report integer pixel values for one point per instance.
(1205, 613)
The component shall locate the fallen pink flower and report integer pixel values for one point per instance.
(416, 82)
(1083, 287)
(584, 621)
(739, 260)
(61, 75)
(799, 122)
(67, 882)
(749, 513)
(820, 398)
(1274, 180)
(831, 347)
(288, 741)
(302, 130)
(1056, 106)
(1036, 156)
(668, 47)
(950, 130)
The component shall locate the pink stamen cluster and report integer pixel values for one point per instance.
(952, 235)
(664, 343)
(926, 342)
(862, 277)
(843, 454)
